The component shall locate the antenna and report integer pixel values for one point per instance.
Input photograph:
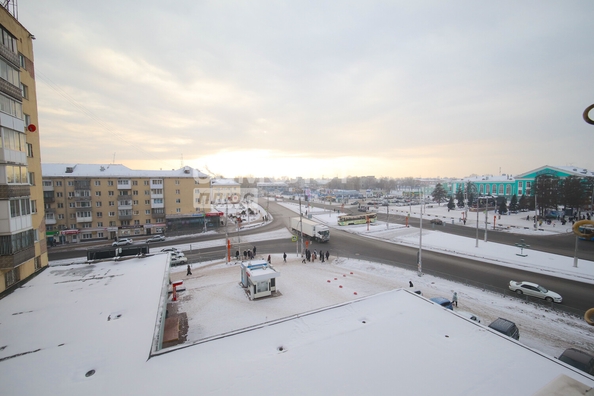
(113, 161)
(182, 160)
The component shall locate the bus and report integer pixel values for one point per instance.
(357, 219)
(587, 231)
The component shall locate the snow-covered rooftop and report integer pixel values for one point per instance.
(113, 170)
(70, 320)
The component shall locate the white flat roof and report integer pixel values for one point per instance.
(55, 329)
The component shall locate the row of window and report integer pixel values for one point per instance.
(11, 107)
(121, 182)
(14, 140)
(11, 244)
(16, 174)
(19, 207)
(100, 224)
(9, 73)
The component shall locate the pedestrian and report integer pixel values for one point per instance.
(269, 260)
(410, 284)
(237, 255)
(189, 271)
(327, 254)
(254, 251)
(285, 257)
(322, 255)
(455, 299)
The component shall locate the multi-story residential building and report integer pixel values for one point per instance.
(23, 248)
(93, 201)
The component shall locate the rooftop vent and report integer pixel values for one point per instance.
(69, 169)
(102, 168)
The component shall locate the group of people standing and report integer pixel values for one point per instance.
(311, 256)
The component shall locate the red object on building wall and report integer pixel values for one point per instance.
(31, 128)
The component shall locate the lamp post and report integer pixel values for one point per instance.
(420, 261)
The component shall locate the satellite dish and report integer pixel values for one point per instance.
(31, 128)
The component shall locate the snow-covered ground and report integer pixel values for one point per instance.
(211, 299)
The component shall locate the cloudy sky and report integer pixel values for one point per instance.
(315, 88)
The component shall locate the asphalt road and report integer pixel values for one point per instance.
(576, 295)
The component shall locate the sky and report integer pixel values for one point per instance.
(315, 89)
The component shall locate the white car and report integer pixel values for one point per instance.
(171, 249)
(156, 238)
(534, 290)
(122, 242)
(179, 260)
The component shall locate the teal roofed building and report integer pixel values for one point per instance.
(522, 184)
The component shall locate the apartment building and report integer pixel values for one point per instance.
(94, 201)
(23, 248)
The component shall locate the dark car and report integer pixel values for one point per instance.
(444, 302)
(506, 327)
(437, 221)
(578, 359)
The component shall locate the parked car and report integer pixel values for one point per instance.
(444, 302)
(532, 289)
(469, 315)
(156, 238)
(171, 249)
(178, 260)
(122, 242)
(437, 221)
(506, 327)
(578, 359)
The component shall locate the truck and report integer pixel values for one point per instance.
(311, 229)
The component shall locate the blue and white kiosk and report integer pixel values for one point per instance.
(259, 278)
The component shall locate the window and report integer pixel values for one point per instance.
(178, 200)
(99, 214)
(97, 183)
(146, 182)
(99, 235)
(70, 194)
(33, 206)
(136, 222)
(87, 236)
(27, 119)
(58, 183)
(500, 189)
(24, 91)
(147, 212)
(177, 182)
(178, 210)
(125, 222)
(158, 191)
(11, 277)
(110, 182)
(99, 224)
(147, 201)
(157, 181)
(158, 200)
(134, 182)
(59, 194)
(112, 223)
(71, 204)
(147, 221)
(98, 204)
(72, 216)
(22, 61)
(177, 192)
(60, 205)
(29, 150)
(97, 193)
(147, 192)
(32, 178)
(111, 214)
(508, 190)
(110, 193)
(134, 202)
(111, 203)
(134, 192)
(71, 183)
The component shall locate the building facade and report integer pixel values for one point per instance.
(93, 201)
(23, 248)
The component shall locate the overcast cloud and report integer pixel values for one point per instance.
(310, 88)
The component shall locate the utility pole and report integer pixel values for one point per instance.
(420, 261)
(300, 226)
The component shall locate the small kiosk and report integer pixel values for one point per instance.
(258, 278)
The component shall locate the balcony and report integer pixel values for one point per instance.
(82, 199)
(48, 185)
(84, 184)
(84, 219)
(157, 213)
(50, 220)
(124, 184)
(156, 183)
(125, 217)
